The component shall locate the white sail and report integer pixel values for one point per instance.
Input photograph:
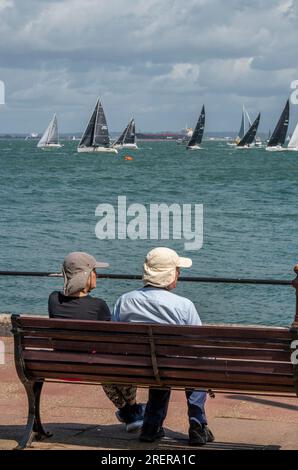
(293, 144)
(50, 136)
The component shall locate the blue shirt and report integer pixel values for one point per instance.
(153, 305)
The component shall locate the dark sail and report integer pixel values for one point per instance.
(120, 139)
(101, 132)
(251, 133)
(87, 137)
(130, 135)
(280, 132)
(197, 135)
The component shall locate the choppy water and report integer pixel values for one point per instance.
(48, 201)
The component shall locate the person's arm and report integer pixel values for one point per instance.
(50, 310)
(193, 318)
(116, 311)
(104, 313)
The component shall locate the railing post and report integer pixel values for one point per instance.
(295, 285)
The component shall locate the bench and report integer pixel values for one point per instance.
(222, 358)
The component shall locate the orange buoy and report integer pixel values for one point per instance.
(128, 157)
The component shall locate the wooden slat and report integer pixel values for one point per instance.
(168, 350)
(193, 365)
(94, 369)
(228, 377)
(178, 384)
(81, 325)
(143, 339)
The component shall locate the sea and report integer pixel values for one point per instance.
(48, 201)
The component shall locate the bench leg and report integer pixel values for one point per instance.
(34, 428)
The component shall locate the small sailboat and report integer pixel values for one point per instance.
(128, 137)
(96, 136)
(50, 138)
(293, 144)
(247, 140)
(279, 134)
(197, 136)
(244, 126)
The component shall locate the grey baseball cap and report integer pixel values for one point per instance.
(76, 269)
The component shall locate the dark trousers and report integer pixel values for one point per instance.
(158, 402)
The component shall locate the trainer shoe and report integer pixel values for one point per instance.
(151, 433)
(199, 435)
(135, 418)
(132, 416)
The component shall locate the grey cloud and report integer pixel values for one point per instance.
(156, 60)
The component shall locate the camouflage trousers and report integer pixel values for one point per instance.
(120, 394)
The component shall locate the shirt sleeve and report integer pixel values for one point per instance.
(193, 318)
(116, 311)
(104, 313)
(50, 310)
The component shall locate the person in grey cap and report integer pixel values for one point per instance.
(156, 303)
(76, 303)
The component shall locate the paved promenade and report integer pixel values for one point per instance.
(81, 417)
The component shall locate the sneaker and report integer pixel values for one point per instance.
(132, 416)
(151, 433)
(199, 435)
(209, 434)
(135, 418)
(120, 415)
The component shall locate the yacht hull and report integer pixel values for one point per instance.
(97, 150)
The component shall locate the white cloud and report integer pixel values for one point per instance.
(156, 60)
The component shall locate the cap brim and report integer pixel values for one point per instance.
(184, 262)
(101, 265)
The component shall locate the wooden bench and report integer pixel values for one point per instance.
(221, 358)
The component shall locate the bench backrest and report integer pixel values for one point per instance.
(217, 357)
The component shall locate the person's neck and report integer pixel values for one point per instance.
(80, 294)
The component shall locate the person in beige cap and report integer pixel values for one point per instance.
(76, 303)
(156, 303)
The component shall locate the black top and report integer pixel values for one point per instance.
(78, 308)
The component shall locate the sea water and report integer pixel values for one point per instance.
(47, 209)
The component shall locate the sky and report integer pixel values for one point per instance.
(158, 61)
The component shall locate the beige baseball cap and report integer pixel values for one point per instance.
(160, 266)
(76, 269)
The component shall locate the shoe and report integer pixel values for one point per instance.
(135, 418)
(151, 433)
(209, 434)
(199, 435)
(132, 416)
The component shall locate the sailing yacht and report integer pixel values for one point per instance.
(293, 144)
(96, 135)
(279, 134)
(128, 137)
(50, 137)
(197, 136)
(247, 140)
(244, 126)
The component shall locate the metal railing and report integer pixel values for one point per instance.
(133, 277)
